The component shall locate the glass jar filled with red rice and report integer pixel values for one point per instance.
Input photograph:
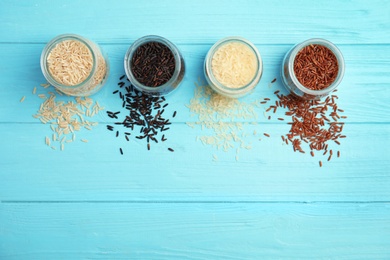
(313, 69)
(74, 65)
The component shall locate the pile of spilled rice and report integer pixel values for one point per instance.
(224, 117)
(144, 116)
(65, 117)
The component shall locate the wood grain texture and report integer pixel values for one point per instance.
(89, 202)
(269, 171)
(195, 231)
(198, 22)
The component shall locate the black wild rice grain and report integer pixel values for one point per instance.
(171, 150)
(143, 112)
(121, 151)
(111, 115)
(153, 64)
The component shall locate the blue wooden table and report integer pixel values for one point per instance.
(89, 202)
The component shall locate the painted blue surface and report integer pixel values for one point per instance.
(89, 202)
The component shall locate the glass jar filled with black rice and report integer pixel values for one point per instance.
(154, 65)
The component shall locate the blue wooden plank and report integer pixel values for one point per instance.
(89, 202)
(363, 93)
(269, 171)
(197, 22)
(194, 231)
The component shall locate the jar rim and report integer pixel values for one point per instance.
(51, 44)
(178, 64)
(340, 60)
(218, 85)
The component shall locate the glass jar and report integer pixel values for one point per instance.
(233, 92)
(290, 80)
(97, 75)
(177, 75)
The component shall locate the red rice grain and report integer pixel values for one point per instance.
(315, 67)
(315, 122)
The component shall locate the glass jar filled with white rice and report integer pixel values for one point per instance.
(233, 67)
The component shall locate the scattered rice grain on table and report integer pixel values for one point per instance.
(65, 116)
(140, 116)
(222, 115)
(317, 123)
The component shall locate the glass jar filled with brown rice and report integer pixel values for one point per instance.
(74, 65)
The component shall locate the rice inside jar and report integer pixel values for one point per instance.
(74, 65)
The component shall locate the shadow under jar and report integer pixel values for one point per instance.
(233, 67)
(154, 65)
(74, 65)
(313, 69)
